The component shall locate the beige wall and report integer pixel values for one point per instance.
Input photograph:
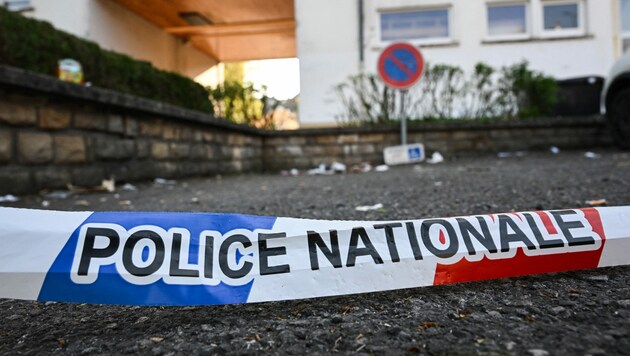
(116, 28)
(212, 77)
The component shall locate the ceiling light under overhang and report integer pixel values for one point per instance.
(195, 19)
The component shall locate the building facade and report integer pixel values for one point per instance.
(562, 38)
(193, 38)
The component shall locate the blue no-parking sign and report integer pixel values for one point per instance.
(400, 65)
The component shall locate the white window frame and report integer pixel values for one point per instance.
(572, 32)
(418, 41)
(514, 36)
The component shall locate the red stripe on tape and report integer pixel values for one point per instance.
(551, 229)
(521, 264)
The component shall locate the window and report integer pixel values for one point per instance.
(624, 13)
(558, 17)
(517, 20)
(562, 17)
(507, 20)
(418, 25)
(18, 5)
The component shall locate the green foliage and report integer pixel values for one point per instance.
(534, 92)
(484, 102)
(234, 72)
(37, 46)
(243, 104)
(366, 100)
(444, 84)
(447, 92)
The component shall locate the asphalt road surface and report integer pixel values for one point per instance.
(584, 312)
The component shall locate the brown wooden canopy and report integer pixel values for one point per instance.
(227, 30)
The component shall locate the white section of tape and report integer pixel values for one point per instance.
(296, 258)
(616, 223)
(327, 281)
(30, 240)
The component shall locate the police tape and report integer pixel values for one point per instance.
(204, 259)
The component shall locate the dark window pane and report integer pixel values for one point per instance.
(414, 25)
(18, 5)
(505, 20)
(561, 16)
(624, 7)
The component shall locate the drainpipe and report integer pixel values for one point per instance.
(361, 22)
(618, 42)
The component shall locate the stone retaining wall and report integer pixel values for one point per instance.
(309, 148)
(49, 139)
(53, 133)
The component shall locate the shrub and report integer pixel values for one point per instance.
(366, 100)
(447, 92)
(243, 104)
(535, 94)
(37, 46)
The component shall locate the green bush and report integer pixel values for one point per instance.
(243, 104)
(37, 46)
(447, 92)
(535, 93)
(365, 99)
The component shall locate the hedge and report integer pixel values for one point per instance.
(37, 46)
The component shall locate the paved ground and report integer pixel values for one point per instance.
(585, 312)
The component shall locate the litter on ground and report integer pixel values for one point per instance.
(369, 207)
(592, 155)
(512, 154)
(9, 198)
(162, 181)
(596, 202)
(59, 194)
(107, 185)
(129, 187)
(362, 167)
(436, 157)
(324, 169)
(84, 203)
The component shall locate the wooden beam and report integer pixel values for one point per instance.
(238, 34)
(234, 29)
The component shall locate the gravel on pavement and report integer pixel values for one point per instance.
(582, 312)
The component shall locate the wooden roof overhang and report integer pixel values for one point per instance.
(227, 30)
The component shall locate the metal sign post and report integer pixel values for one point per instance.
(403, 118)
(401, 66)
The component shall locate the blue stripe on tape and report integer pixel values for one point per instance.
(111, 288)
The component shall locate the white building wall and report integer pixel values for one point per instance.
(328, 50)
(590, 54)
(115, 28)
